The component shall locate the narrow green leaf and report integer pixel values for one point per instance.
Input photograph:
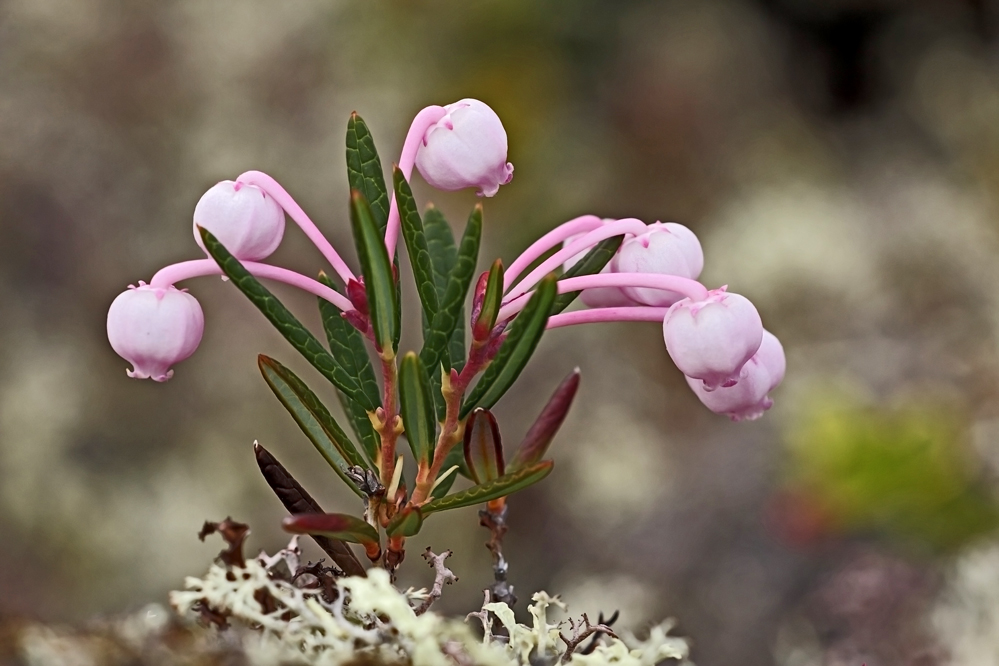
(364, 170)
(456, 456)
(417, 407)
(333, 525)
(591, 264)
(501, 487)
(416, 243)
(347, 346)
(444, 255)
(294, 332)
(312, 417)
(444, 322)
(483, 446)
(379, 283)
(524, 334)
(349, 351)
(541, 434)
(406, 523)
(485, 319)
(441, 246)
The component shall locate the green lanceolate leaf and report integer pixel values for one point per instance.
(347, 346)
(379, 283)
(591, 264)
(491, 302)
(416, 244)
(406, 523)
(285, 322)
(455, 458)
(333, 525)
(541, 434)
(417, 411)
(441, 245)
(349, 351)
(443, 325)
(501, 487)
(312, 417)
(364, 170)
(444, 256)
(483, 446)
(524, 334)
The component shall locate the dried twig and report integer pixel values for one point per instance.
(581, 630)
(495, 522)
(482, 616)
(234, 534)
(442, 575)
(297, 500)
(592, 645)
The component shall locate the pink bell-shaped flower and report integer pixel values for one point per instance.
(712, 339)
(248, 222)
(598, 297)
(153, 328)
(748, 399)
(466, 148)
(667, 249)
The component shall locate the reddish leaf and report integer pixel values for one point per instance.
(483, 447)
(541, 434)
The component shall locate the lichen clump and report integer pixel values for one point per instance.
(352, 619)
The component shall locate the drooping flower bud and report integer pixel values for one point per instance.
(667, 249)
(153, 328)
(712, 339)
(466, 148)
(747, 399)
(598, 297)
(248, 222)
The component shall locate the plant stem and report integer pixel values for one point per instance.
(295, 212)
(452, 429)
(389, 424)
(691, 289)
(423, 121)
(557, 235)
(186, 270)
(629, 225)
(598, 315)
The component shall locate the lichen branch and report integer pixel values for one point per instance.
(581, 630)
(442, 576)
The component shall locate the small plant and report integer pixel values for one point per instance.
(439, 398)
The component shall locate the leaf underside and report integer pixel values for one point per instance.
(501, 487)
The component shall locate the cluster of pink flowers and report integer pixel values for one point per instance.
(715, 337)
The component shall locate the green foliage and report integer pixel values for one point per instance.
(516, 350)
(405, 523)
(379, 283)
(492, 299)
(455, 458)
(906, 474)
(501, 487)
(282, 319)
(348, 350)
(443, 324)
(417, 407)
(416, 244)
(312, 417)
(592, 263)
(364, 170)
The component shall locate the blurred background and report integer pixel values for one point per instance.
(838, 159)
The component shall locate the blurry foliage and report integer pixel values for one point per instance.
(904, 473)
